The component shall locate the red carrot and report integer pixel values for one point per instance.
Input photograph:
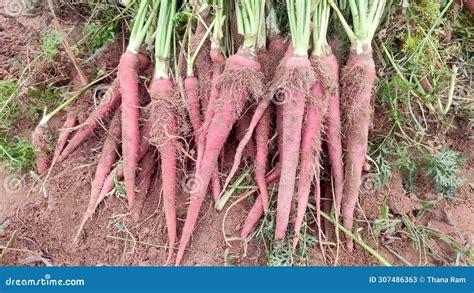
(65, 131)
(118, 172)
(40, 143)
(256, 211)
(194, 108)
(164, 134)
(309, 157)
(333, 123)
(356, 93)
(242, 71)
(146, 166)
(262, 135)
(109, 103)
(107, 159)
(218, 61)
(357, 79)
(190, 86)
(278, 47)
(128, 78)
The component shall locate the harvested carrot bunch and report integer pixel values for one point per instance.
(276, 104)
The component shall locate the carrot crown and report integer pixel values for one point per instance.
(299, 17)
(320, 27)
(366, 16)
(163, 35)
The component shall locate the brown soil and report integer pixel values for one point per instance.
(39, 220)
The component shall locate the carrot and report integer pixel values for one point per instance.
(65, 131)
(129, 89)
(329, 64)
(277, 47)
(144, 177)
(194, 108)
(292, 119)
(357, 79)
(107, 159)
(239, 79)
(163, 116)
(190, 86)
(218, 67)
(109, 182)
(128, 78)
(256, 211)
(315, 115)
(309, 158)
(164, 133)
(40, 143)
(295, 77)
(356, 94)
(262, 135)
(109, 103)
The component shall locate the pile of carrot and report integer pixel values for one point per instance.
(276, 101)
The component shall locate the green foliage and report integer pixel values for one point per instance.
(280, 254)
(50, 41)
(17, 153)
(181, 18)
(119, 188)
(384, 169)
(9, 105)
(41, 99)
(99, 34)
(443, 168)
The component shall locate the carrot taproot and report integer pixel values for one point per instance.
(294, 70)
(262, 135)
(357, 79)
(256, 211)
(64, 133)
(40, 143)
(145, 173)
(163, 136)
(309, 156)
(329, 64)
(104, 166)
(128, 78)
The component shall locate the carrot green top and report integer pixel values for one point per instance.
(366, 16)
(163, 36)
(249, 20)
(299, 17)
(320, 28)
(140, 26)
